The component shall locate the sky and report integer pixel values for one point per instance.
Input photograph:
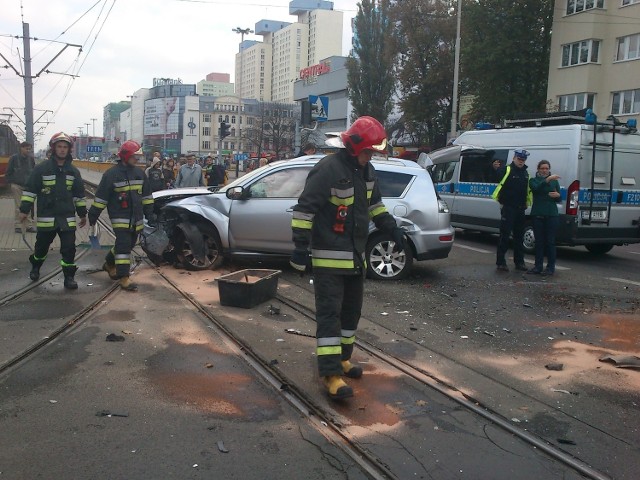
(125, 45)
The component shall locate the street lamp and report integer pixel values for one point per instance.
(242, 32)
(456, 73)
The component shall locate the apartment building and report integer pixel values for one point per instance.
(595, 57)
(267, 70)
(215, 84)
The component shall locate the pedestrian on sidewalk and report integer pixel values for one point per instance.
(124, 191)
(332, 217)
(18, 170)
(544, 211)
(190, 174)
(59, 189)
(514, 195)
(155, 175)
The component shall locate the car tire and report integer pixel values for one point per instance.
(529, 240)
(599, 248)
(185, 255)
(385, 264)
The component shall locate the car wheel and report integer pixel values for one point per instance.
(385, 264)
(188, 260)
(529, 240)
(599, 248)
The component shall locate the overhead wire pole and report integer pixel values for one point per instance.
(28, 78)
(456, 73)
(242, 32)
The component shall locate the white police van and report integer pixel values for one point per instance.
(599, 174)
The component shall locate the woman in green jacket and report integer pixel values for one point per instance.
(546, 195)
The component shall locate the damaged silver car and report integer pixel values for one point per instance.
(251, 218)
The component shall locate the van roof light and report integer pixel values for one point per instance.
(484, 126)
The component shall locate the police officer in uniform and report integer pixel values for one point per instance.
(514, 195)
(124, 191)
(58, 186)
(332, 217)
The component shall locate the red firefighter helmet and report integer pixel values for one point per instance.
(366, 133)
(60, 137)
(128, 149)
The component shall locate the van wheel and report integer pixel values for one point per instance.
(385, 264)
(599, 248)
(529, 240)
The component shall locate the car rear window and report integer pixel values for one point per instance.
(392, 184)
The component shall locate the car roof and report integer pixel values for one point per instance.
(377, 161)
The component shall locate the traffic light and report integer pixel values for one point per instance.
(305, 114)
(225, 130)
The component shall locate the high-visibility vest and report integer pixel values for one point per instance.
(496, 193)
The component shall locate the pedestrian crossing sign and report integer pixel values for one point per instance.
(319, 107)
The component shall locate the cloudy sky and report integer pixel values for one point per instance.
(125, 44)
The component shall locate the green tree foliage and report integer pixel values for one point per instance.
(370, 65)
(505, 55)
(425, 42)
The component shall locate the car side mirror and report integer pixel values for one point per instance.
(236, 193)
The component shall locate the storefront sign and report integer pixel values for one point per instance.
(166, 81)
(314, 70)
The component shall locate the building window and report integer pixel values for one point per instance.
(628, 47)
(629, 2)
(206, 131)
(575, 101)
(219, 118)
(578, 53)
(206, 117)
(577, 6)
(206, 145)
(627, 101)
(233, 119)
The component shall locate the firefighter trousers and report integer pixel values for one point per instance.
(338, 308)
(120, 254)
(67, 245)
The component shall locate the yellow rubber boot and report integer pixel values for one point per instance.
(128, 285)
(337, 388)
(350, 370)
(111, 270)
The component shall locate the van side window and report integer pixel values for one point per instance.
(490, 172)
(443, 172)
(472, 168)
(392, 184)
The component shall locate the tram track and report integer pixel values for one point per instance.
(323, 421)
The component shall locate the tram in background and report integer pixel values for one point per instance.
(9, 145)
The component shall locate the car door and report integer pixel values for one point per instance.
(262, 221)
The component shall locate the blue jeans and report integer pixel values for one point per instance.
(544, 230)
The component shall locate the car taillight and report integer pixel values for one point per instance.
(446, 238)
(442, 206)
(573, 193)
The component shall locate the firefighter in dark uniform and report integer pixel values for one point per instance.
(124, 191)
(331, 218)
(58, 186)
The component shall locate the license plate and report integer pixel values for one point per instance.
(596, 215)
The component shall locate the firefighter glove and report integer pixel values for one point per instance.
(397, 235)
(300, 260)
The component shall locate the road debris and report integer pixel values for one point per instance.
(112, 337)
(622, 361)
(554, 366)
(108, 413)
(221, 447)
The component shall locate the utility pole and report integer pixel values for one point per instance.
(242, 32)
(456, 73)
(28, 77)
(94, 126)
